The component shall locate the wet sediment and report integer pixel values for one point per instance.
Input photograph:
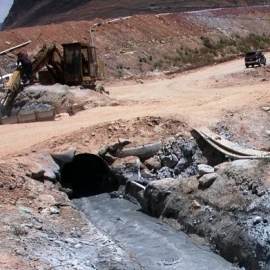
(232, 215)
(153, 243)
(227, 206)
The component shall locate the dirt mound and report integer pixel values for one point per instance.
(41, 98)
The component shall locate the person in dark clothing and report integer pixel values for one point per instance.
(26, 64)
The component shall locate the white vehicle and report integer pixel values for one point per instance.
(4, 80)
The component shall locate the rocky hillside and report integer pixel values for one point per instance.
(148, 45)
(31, 12)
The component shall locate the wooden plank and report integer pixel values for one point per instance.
(77, 108)
(63, 110)
(45, 115)
(27, 118)
(9, 120)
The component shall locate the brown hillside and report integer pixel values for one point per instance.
(147, 44)
(31, 12)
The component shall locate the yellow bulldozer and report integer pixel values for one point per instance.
(77, 65)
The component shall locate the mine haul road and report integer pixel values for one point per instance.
(201, 97)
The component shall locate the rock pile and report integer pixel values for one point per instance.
(226, 205)
(178, 158)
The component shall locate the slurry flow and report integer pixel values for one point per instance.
(154, 244)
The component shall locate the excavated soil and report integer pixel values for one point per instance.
(35, 215)
(226, 98)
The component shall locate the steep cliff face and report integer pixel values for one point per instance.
(19, 10)
(25, 13)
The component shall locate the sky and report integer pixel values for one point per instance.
(5, 6)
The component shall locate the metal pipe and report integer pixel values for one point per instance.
(91, 36)
(15, 47)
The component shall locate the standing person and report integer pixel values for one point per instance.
(26, 63)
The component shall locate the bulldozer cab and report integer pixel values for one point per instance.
(81, 66)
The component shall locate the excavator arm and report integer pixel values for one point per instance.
(48, 57)
(12, 89)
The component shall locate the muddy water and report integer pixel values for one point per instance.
(154, 244)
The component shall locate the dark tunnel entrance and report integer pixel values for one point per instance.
(87, 175)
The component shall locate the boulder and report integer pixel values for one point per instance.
(204, 169)
(207, 180)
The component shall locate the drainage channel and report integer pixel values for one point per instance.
(88, 175)
(154, 244)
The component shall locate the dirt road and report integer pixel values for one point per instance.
(227, 94)
(200, 97)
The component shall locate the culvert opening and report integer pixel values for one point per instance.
(88, 175)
